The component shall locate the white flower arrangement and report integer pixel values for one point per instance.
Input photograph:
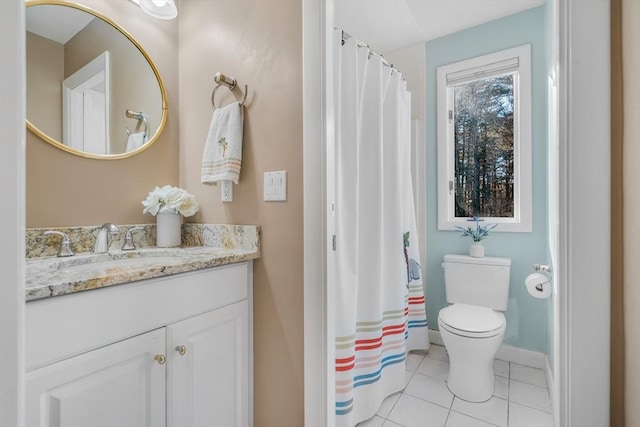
(170, 198)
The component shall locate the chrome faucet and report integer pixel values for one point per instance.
(102, 238)
(65, 243)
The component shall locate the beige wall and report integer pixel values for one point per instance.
(67, 190)
(631, 203)
(616, 397)
(625, 212)
(259, 43)
(45, 71)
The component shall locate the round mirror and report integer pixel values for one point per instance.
(92, 90)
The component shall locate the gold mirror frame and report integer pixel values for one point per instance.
(34, 129)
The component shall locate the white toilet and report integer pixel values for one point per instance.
(472, 326)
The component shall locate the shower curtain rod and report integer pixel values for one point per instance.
(346, 36)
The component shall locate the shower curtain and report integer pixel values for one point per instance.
(380, 305)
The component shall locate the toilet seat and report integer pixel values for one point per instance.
(471, 321)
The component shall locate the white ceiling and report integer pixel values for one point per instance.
(387, 25)
(56, 23)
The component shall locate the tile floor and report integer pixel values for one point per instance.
(520, 399)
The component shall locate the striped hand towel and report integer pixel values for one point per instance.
(223, 148)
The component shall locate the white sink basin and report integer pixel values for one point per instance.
(118, 263)
(119, 259)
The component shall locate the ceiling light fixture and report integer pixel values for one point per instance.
(161, 9)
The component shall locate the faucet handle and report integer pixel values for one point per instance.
(65, 243)
(129, 244)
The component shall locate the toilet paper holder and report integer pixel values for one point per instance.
(544, 268)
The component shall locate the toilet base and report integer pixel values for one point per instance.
(472, 381)
(471, 376)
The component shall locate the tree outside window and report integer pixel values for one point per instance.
(483, 132)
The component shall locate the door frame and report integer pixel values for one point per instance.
(74, 106)
(12, 211)
(317, 24)
(585, 214)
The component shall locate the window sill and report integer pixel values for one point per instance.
(504, 225)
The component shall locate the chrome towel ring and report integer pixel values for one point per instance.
(228, 82)
(140, 117)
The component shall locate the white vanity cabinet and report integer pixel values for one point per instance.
(117, 385)
(174, 351)
(208, 365)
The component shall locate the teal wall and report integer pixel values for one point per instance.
(527, 318)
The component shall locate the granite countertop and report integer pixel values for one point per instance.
(53, 276)
(204, 246)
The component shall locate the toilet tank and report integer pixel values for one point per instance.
(477, 281)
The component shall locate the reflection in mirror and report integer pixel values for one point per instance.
(91, 89)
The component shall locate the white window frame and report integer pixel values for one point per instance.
(517, 59)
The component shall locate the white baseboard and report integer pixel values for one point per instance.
(521, 356)
(435, 337)
(508, 353)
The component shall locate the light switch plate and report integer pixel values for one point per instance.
(275, 186)
(226, 192)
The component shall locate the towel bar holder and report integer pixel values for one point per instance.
(228, 82)
(140, 117)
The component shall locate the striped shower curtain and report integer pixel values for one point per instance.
(380, 306)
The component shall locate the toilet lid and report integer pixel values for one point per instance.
(471, 318)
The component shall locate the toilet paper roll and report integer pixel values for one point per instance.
(538, 285)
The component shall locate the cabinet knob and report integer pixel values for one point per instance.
(160, 359)
(181, 350)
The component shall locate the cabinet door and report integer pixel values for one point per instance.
(120, 385)
(208, 385)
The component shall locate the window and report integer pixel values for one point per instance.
(484, 140)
